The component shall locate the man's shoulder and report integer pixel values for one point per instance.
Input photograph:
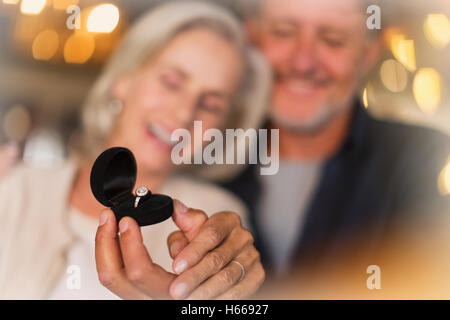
(394, 138)
(400, 132)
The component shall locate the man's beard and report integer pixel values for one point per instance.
(314, 124)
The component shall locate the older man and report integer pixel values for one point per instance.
(344, 177)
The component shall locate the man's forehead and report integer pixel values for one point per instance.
(337, 12)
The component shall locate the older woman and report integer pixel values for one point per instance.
(181, 62)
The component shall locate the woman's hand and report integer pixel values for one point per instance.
(202, 249)
(8, 157)
(125, 267)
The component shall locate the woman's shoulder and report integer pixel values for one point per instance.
(29, 175)
(34, 183)
(203, 195)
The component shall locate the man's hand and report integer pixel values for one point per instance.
(203, 251)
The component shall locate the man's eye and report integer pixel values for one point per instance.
(335, 43)
(283, 32)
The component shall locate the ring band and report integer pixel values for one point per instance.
(140, 192)
(136, 202)
(242, 269)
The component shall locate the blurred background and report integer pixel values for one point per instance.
(49, 59)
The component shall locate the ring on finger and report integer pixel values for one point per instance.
(242, 269)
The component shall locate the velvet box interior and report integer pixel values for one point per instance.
(113, 177)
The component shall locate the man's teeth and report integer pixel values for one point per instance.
(162, 133)
(301, 86)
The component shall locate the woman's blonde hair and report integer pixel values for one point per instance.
(146, 38)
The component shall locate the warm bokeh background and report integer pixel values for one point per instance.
(46, 69)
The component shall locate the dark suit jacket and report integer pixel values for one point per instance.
(385, 174)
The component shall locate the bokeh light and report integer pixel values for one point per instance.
(10, 1)
(79, 48)
(32, 6)
(395, 38)
(103, 18)
(393, 75)
(364, 98)
(437, 30)
(17, 123)
(403, 50)
(45, 45)
(44, 148)
(63, 4)
(444, 180)
(406, 54)
(427, 89)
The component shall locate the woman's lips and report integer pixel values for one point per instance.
(161, 135)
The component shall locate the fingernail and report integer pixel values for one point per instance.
(123, 226)
(174, 247)
(103, 219)
(180, 290)
(180, 266)
(180, 207)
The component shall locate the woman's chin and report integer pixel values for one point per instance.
(154, 163)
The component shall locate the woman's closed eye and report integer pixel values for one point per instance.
(171, 81)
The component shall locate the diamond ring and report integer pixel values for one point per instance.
(140, 192)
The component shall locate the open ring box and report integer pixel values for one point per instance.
(113, 177)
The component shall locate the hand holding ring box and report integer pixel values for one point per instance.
(113, 177)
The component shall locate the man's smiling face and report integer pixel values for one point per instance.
(318, 50)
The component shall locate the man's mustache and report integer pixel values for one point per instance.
(300, 76)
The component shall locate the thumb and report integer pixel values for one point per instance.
(187, 219)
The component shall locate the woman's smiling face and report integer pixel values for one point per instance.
(194, 77)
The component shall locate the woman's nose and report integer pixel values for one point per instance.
(184, 111)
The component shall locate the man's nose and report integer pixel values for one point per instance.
(304, 58)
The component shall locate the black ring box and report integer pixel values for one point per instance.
(113, 177)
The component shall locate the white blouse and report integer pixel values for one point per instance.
(44, 242)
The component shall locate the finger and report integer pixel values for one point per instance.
(176, 242)
(227, 277)
(252, 281)
(109, 260)
(187, 219)
(149, 277)
(211, 235)
(211, 264)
